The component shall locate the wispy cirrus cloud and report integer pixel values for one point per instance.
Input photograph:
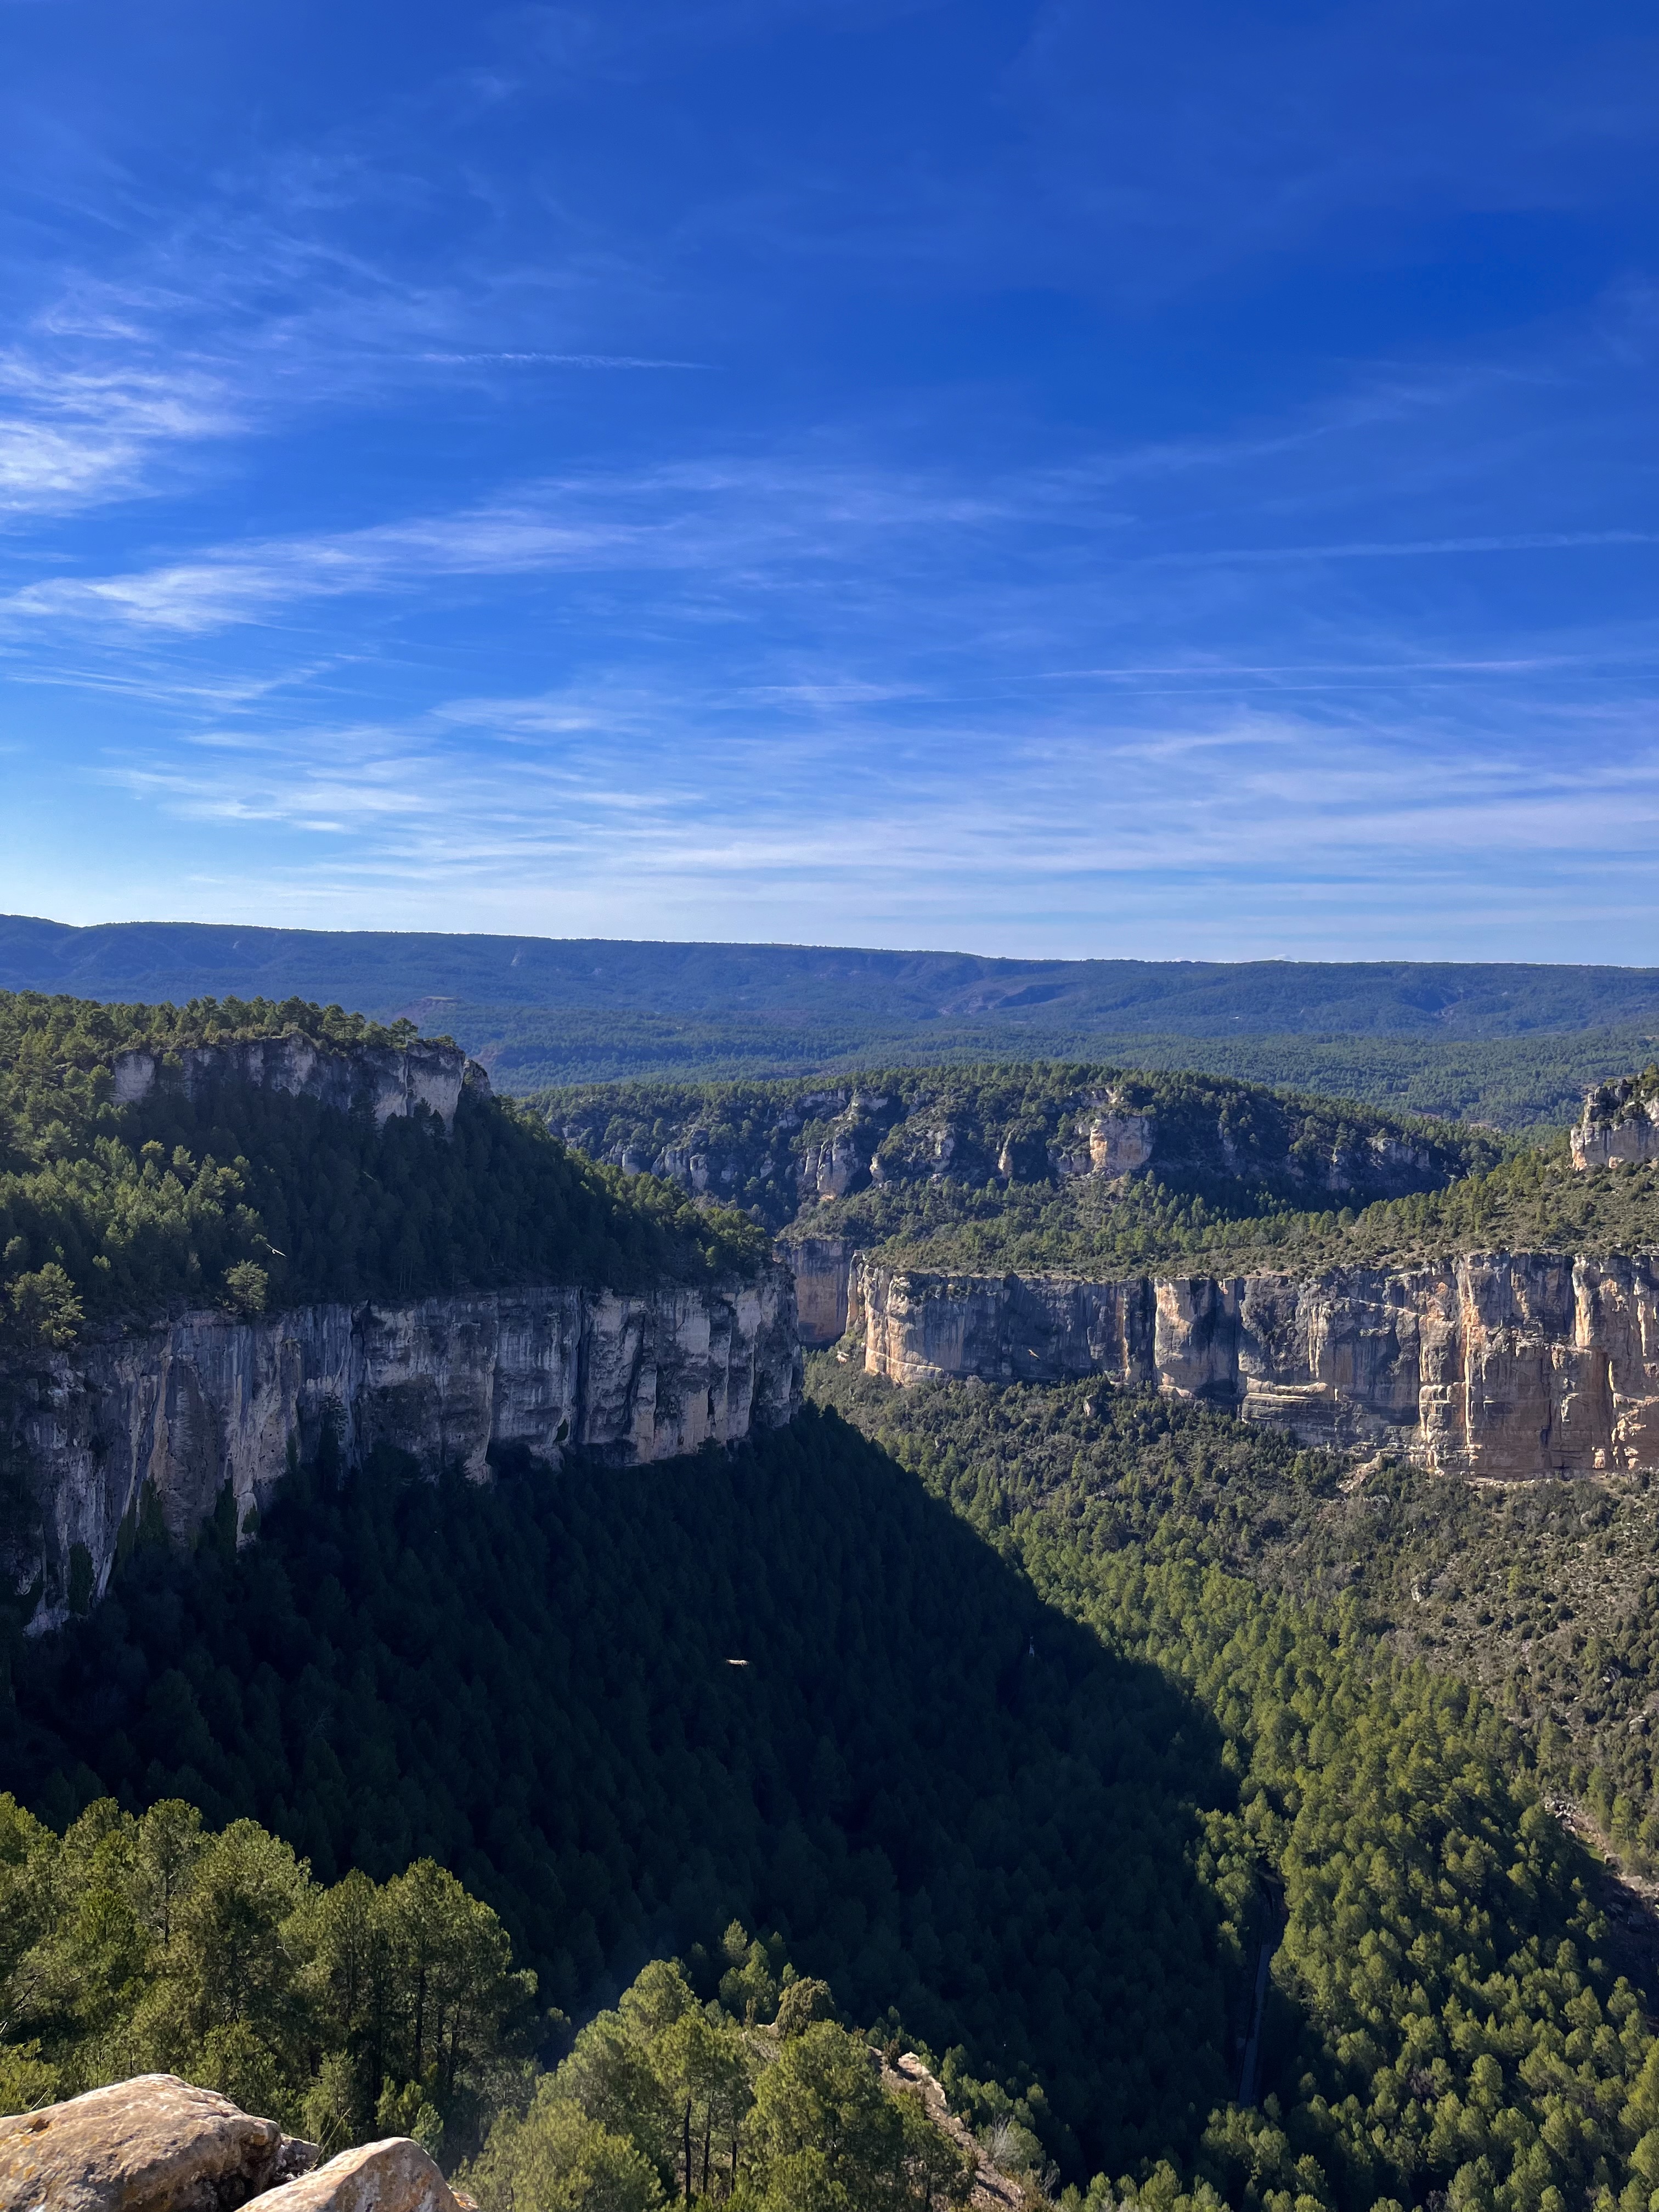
(1104, 818)
(72, 434)
(738, 465)
(559, 361)
(726, 518)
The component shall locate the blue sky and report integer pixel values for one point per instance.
(1064, 479)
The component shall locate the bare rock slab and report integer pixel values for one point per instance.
(152, 2144)
(394, 2176)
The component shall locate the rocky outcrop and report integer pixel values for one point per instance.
(207, 1413)
(1515, 1366)
(151, 2144)
(157, 2144)
(387, 1081)
(394, 2176)
(1620, 1125)
(1107, 1143)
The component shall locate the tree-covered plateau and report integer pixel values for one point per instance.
(1507, 1044)
(902, 1134)
(250, 1198)
(1514, 1083)
(1535, 1201)
(1041, 1785)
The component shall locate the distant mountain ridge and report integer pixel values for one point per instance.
(1511, 1045)
(383, 972)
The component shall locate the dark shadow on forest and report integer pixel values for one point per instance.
(948, 1797)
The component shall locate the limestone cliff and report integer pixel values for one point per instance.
(1512, 1365)
(822, 1268)
(389, 1081)
(195, 1407)
(1620, 1125)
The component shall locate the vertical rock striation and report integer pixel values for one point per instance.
(388, 1081)
(1510, 1365)
(822, 1268)
(209, 1407)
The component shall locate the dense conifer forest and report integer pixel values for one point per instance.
(248, 1197)
(1533, 1202)
(1028, 1729)
(1030, 1777)
(1542, 1593)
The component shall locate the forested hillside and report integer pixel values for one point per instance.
(1025, 1771)
(899, 1144)
(361, 2009)
(947, 1800)
(250, 1197)
(1439, 1038)
(1533, 1202)
(1542, 1593)
(1101, 1171)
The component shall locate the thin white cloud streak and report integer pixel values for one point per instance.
(1222, 801)
(71, 436)
(711, 519)
(561, 360)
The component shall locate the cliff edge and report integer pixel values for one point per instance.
(389, 1081)
(207, 1413)
(1515, 1366)
(1620, 1125)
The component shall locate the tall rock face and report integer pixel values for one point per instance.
(1510, 1365)
(208, 1406)
(822, 1268)
(1620, 1125)
(389, 1081)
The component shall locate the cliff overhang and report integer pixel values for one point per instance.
(206, 1414)
(1510, 1366)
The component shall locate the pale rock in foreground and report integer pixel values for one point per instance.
(394, 2176)
(151, 2144)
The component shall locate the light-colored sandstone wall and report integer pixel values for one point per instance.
(821, 1267)
(389, 1082)
(1510, 1365)
(209, 1401)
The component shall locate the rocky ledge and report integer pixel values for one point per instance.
(388, 1081)
(183, 1417)
(1510, 1365)
(157, 2144)
(1620, 1125)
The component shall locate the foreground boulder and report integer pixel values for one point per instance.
(395, 2176)
(152, 2144)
